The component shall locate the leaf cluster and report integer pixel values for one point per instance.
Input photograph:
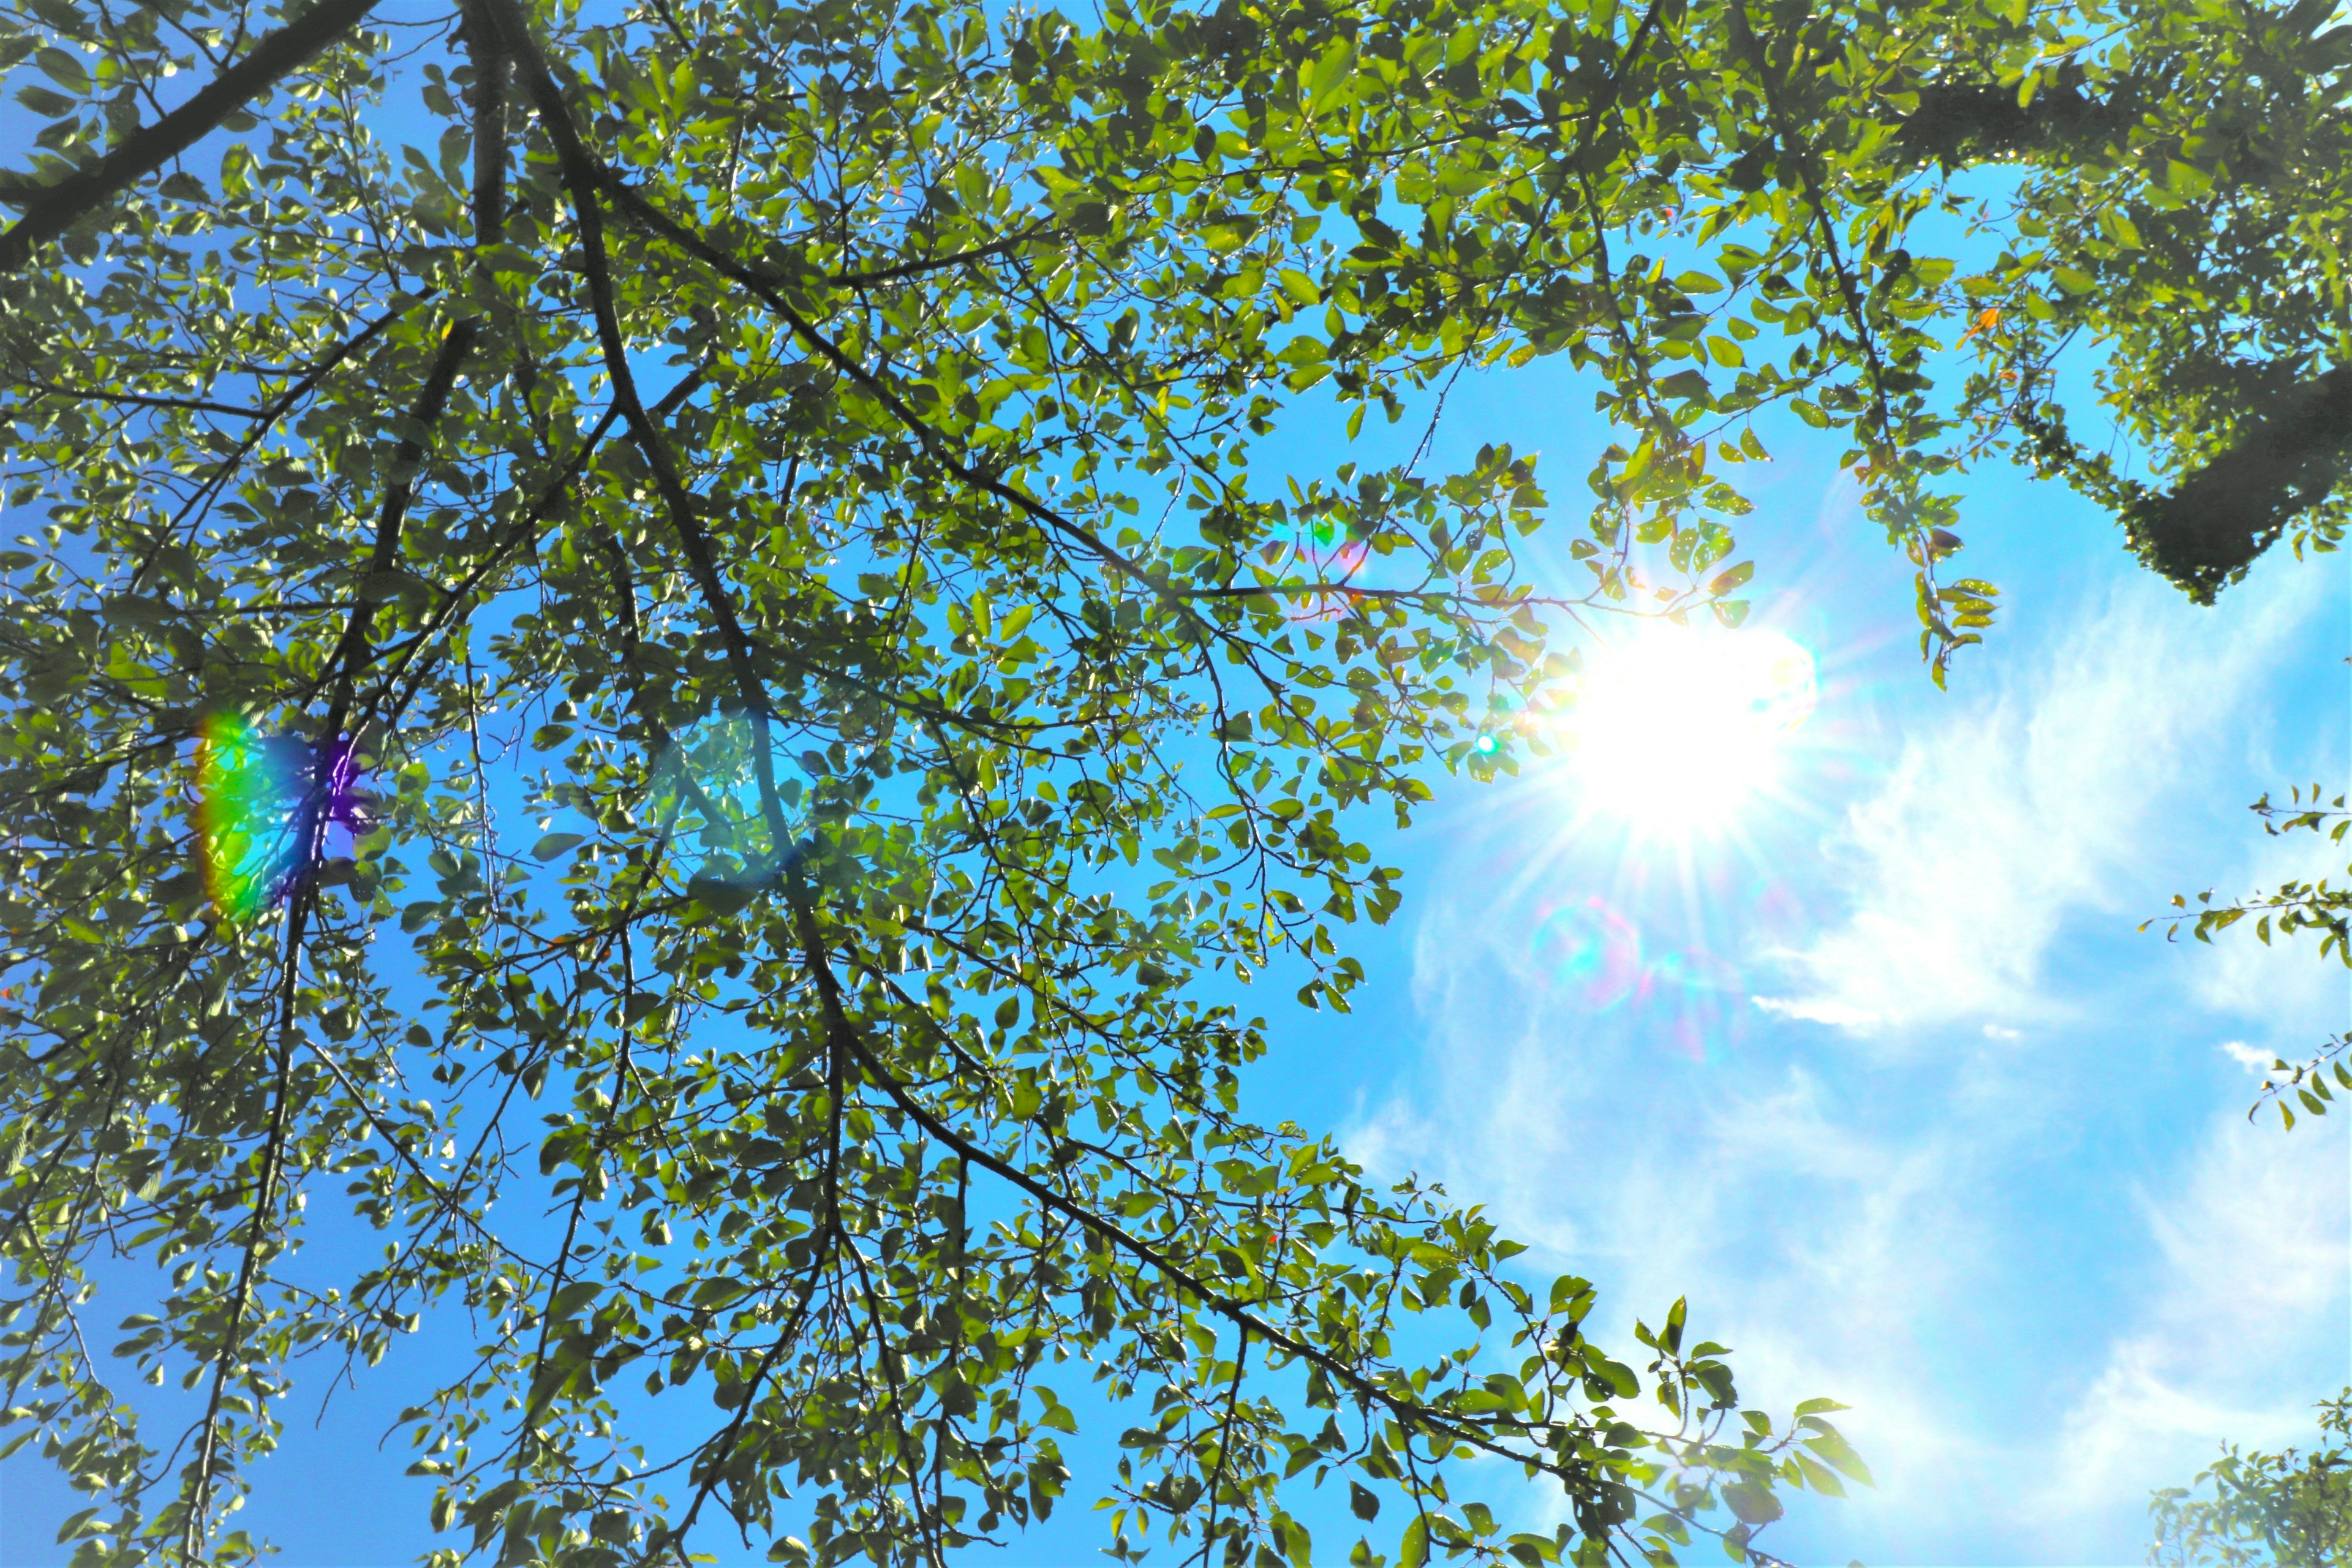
(2287, 1510)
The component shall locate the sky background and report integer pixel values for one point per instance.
(1886, 1080)
(1883, 1080)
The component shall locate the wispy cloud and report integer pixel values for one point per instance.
(2032, 803)
(1819, 1010)
(2242, 1331)
(1826, 1235)
(2048, 1273)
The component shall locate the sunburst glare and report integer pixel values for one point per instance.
(1675, 727)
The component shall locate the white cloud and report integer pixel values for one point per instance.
(2045, 1286)
(2250, 1300)
(1819, 1010)
(1826, 1238)
(2034, 803)
(2247, 1055)
(2030, 1338)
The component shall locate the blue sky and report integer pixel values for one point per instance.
(1961, 1148)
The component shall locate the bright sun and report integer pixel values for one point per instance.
(1675, 726)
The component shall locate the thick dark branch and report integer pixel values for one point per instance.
(492, 69)
(2209, 530)
(353, 650)
(50, 210)
(1962, 122)
(581, 177)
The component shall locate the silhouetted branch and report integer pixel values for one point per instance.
(2209, 530)
(50, 210)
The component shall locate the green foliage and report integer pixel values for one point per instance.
(2263, 1511)
(322, 343)
(2317, 906)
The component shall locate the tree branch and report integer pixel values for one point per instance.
(492, 67)
(143, 399)
(1411, 1413)
(352, 651)
(1963, 122)
(2289, 458)
(936, 263)
(50, 210)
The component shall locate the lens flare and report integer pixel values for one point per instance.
(1319, 550)
(264, 802)
(706, 797)
(1672, 729)
(1599, 959)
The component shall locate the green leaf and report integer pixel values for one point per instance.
(555, 844)
(44, 102)
(567, 1302)
(1751, 1501)
(64, 68)
(1414, 1550)
(1684, 386)
(1816, 1475)
(720, 896)
(1830, 1445)
(1323, 79)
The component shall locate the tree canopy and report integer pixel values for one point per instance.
(799, 455)
(2253, 1510)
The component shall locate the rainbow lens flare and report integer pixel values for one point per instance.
(706, 796)
(263, 805)
(1319, 548)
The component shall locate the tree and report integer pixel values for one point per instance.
(2314, 906)
(723, 432)
(2290, 1509)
